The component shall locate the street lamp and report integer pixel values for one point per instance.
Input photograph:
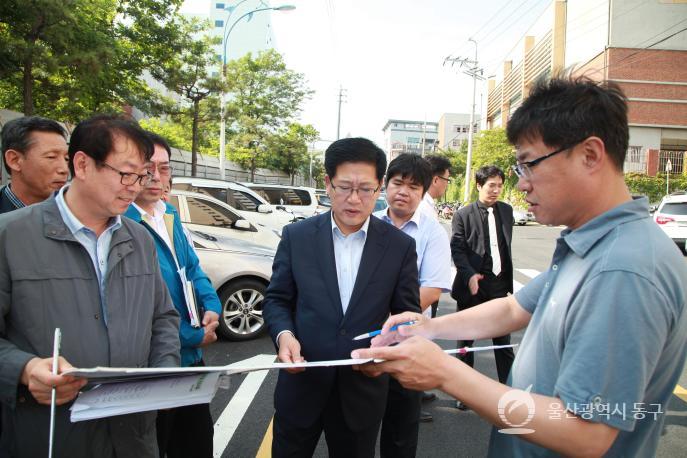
(225, 40)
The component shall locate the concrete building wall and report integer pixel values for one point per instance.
(586, 32)
(453, 129)
(252, 35)
(641, 23)
(407, 136)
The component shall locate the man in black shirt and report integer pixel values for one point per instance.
(481, 251)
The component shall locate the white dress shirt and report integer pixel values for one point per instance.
(427, 206)
(433, 250)
(348, 250)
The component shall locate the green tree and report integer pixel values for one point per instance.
(264, 96)
(187, 75)
(289, 148)
(67, 59)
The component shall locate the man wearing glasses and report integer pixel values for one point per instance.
(335, 276)
(441, 173)
(73, 263)
(606, 334)
(188, 430)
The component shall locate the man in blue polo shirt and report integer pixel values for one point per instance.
(184, 431)
(606, 334)
(407, 179)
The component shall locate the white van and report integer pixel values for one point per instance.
(299, 199)
(247, 202)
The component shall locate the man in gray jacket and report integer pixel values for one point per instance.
(73, 263)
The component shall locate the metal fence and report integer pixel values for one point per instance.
(676, 158)
(635, 160)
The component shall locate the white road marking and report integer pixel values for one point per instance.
(529, 272)
(516, 284)
(233, 413)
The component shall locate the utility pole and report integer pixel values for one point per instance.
(342, 92)
(470, 68)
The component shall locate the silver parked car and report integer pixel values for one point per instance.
(236, 255)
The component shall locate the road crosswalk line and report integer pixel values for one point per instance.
(233, 413)
(529, 272)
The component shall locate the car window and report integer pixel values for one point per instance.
(675, 208)
(174, 201)
(380, 204)
(208, 213)
(324, 200)
(242, 201)
(285, 196)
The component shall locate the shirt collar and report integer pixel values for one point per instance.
(16, 201)
(336, 230)
(73, 222)
(583, 238)
(429, 199)
(415, 219)
(160, 209)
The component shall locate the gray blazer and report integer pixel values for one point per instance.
(47, 280)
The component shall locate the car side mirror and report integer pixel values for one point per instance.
(242, 224)
(263, 208)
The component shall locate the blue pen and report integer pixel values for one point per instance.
(376, 333)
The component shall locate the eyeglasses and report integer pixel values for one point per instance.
(346, 191)
(447, 180)
(163, 169)
(524, 169)
(129, 179)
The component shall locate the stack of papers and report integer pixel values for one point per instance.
(139, 396)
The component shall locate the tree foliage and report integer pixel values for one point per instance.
(67, 59)
(264, 96)
(187, 74)
(288, 148)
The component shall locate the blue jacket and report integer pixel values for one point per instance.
(206, 296)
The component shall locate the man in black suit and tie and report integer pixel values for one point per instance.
(335, 276)
(481, 251)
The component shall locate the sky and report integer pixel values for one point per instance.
(388, 55)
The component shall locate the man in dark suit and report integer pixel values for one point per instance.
(335, 276)
(481, 251)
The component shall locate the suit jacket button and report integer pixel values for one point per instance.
(342, 332)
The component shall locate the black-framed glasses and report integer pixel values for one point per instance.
(345, 191)
(524, 169)
(447, 180)
(129, 178)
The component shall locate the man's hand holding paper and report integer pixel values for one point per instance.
(417, 363)
(290, 351)
(38, 377)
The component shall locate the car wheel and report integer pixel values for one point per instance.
(241, 317)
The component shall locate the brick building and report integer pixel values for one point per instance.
(639, 44)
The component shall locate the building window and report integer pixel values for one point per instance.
(219, 6)
(413, 140)
(219, 23)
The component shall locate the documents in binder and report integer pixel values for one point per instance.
(112, 399)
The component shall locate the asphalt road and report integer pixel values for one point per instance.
(244, 409)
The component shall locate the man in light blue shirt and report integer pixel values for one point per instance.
(606, 336)
(407, 180)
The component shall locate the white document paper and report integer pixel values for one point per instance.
(139, 396)
(118, 374)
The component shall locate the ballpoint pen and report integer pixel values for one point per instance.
(375, 333)
(55, 366)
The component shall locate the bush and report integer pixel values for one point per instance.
(654, 187)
